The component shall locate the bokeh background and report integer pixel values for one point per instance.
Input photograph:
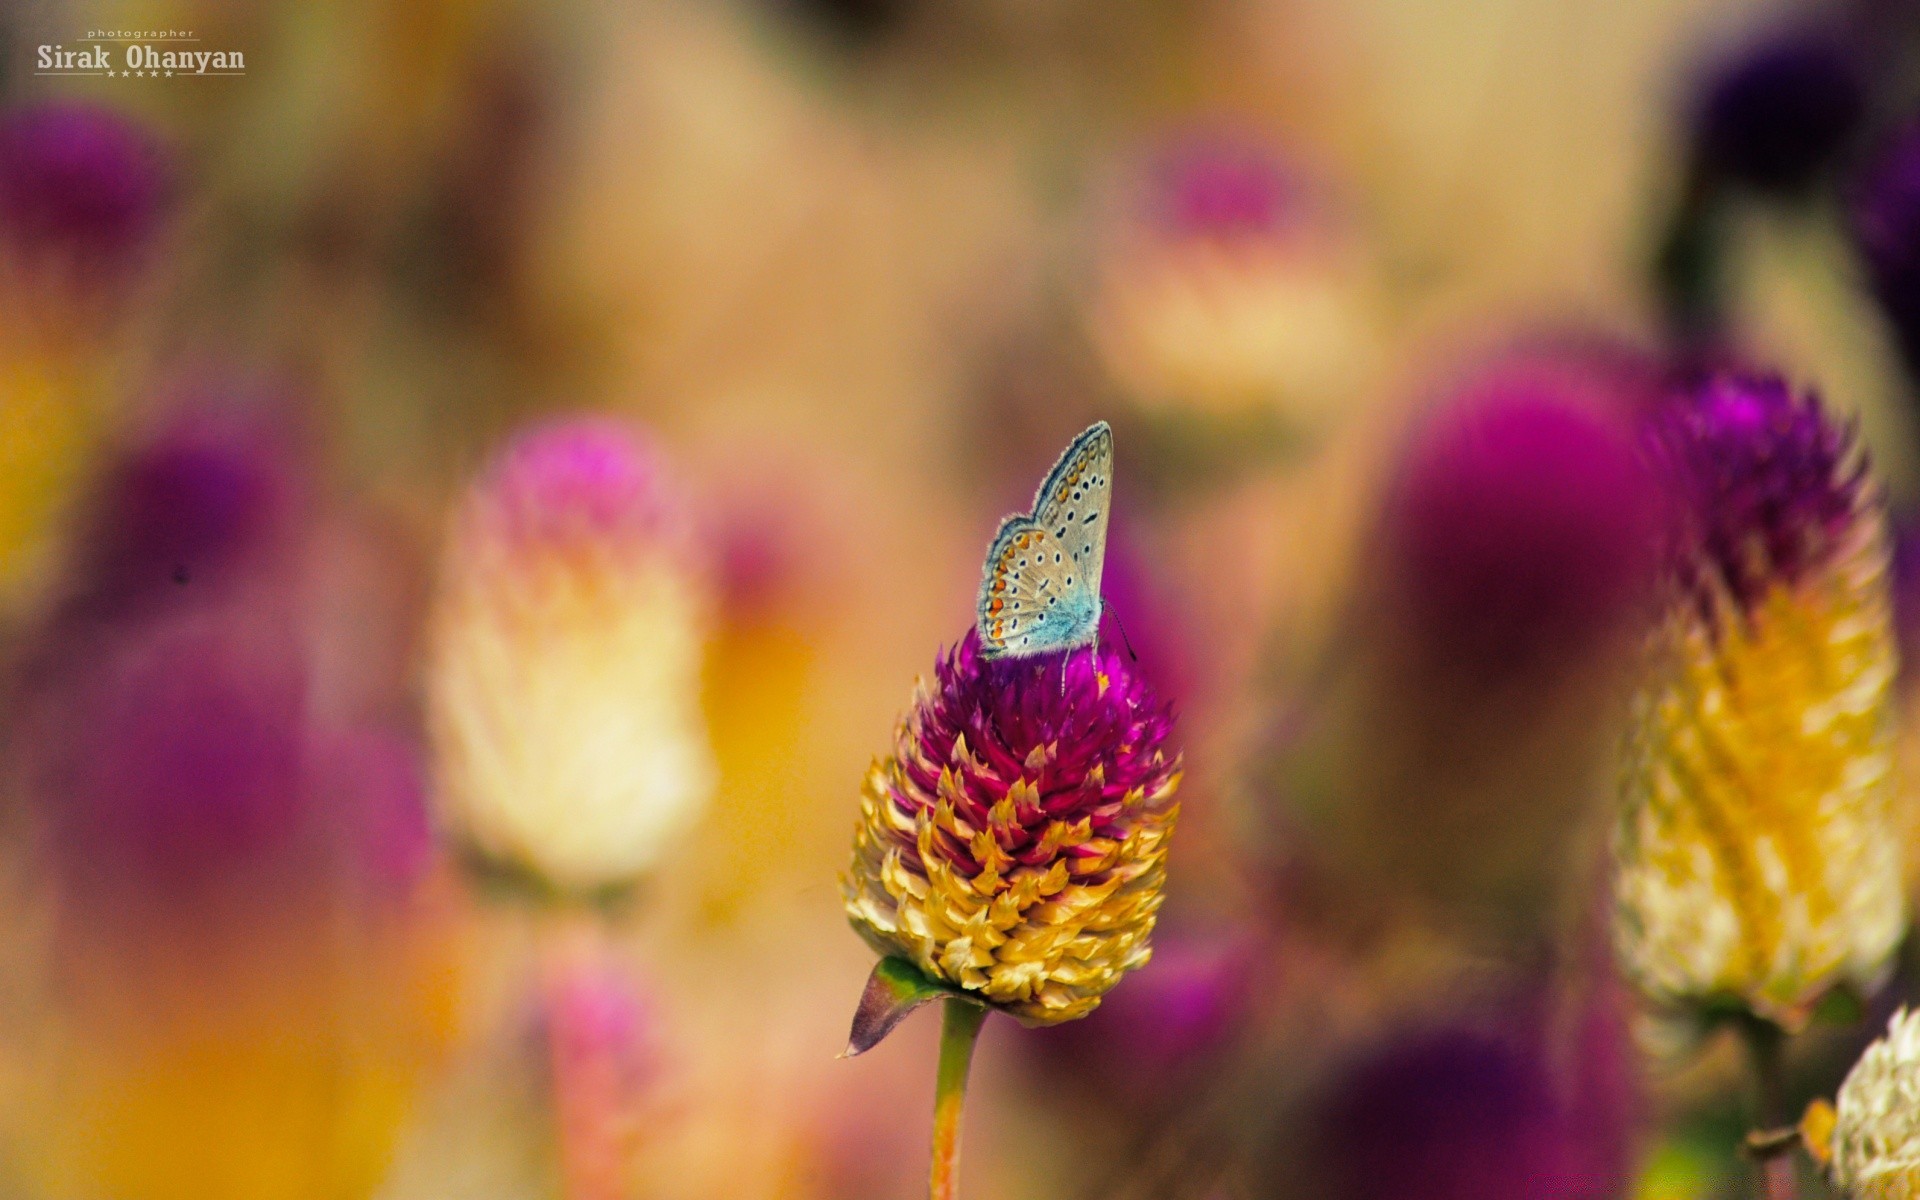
(1372, 292)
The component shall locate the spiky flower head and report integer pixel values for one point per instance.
(1014, 844)
(564, 676)
(1874, 1143)
(1237, 288)
(1757, 850)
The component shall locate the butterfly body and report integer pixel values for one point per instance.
(1040, 590)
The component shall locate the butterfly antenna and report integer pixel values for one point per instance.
(1124, 639)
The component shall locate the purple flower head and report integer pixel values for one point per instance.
(1523, 520)
(1768, 483)
(1449, 1114)
(1032, 792)
(1222, 186)
(1104, 716)
(1778, 114)
(1885, 211)
(80, 181)
(209, 499)
(584, 484)
(176, 761)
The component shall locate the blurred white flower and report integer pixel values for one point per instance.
(1876, 1134)
(565, 659)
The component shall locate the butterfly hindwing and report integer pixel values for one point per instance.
(1040, 590)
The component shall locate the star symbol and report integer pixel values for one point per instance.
(141, 74)
(169, 74)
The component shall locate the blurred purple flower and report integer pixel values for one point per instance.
(1522, 518)
(585, 484)
(1769, 480)
(1144, 618)
(1779, 113)
(1906, 590)
(1885, 208)
(1453, 1113)
(213, 498)
(373, 782)
(174, 766)
(601, 1046)
(1220, 185)
(80, 181)
(1149, 1039)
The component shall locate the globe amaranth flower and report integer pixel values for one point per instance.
(1873, 1146)
(1522, 521)
(1014, 845)
(602, 1055)
(1757, 850)
(1237, 288)
(565, 660)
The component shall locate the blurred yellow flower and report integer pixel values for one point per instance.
(1758, 856)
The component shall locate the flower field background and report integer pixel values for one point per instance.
(494, 500)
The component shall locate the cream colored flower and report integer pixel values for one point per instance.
(565, 658)
(1875, 1144)
(1239, 292)
(1757, 852)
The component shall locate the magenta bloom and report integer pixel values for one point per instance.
(80, 181)
(175, 765)
(583, 485)
(1014, 844)
(212, 499)
(1523, 518)
(1220, 186)
(1767, 480)
(1451, 1114)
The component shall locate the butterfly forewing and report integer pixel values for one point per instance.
(1072, 505)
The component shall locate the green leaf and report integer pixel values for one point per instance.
(1841, 1006)
(895, 988)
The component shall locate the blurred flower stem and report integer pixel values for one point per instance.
(958, 1032)
(1773, 1158)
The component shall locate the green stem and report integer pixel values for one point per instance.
(1766, 1048)
(958, 1031)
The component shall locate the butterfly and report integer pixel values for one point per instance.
(1040, 589)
